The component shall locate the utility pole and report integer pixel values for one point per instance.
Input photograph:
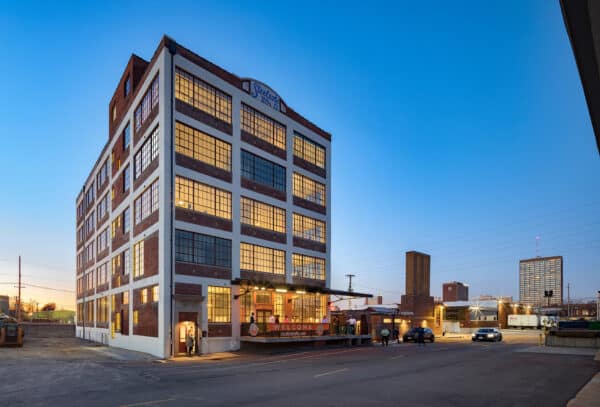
(350, 276)
(19, 299)
(568, 300)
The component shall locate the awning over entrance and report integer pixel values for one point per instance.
(296, 287)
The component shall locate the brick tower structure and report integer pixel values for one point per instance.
(417, 299)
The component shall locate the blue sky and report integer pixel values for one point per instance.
(459, 129)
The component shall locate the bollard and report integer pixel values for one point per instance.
(540, 339)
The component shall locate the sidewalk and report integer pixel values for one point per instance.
(590, 393)
(205, 358)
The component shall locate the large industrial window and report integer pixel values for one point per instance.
(202, 249)
(202, 147)
(102, 310)
(308, 267)
(219, 304)
(309, 150)
(199, 94)
(262, 215)
(309, 189)
(147, 105)
(263, 171)
(262, 259)
(147, 203)
(147, 154)
(309, 228)
(202, 198)
(263, 127)
(138, 259)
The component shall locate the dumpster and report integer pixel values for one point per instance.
(11, 332)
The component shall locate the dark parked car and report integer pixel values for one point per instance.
(487, 334)
(412, 335)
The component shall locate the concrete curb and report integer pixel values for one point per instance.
(588, 395)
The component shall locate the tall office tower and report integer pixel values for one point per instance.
(539, 276)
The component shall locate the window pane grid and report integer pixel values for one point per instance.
(202, 198)
(263, 171)
(308, 267)
(219, 304)
(199, 94)
(262, 259)
(309, 228)
(309, 150)
(202, 249)
(262, 215)
(306, 188)
(263, 127)
(202, 147)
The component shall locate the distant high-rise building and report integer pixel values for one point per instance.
(417, 298)
(455, 291)
(540, 275)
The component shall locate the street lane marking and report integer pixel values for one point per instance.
(398, 357)
(147, 403)
(332, 372)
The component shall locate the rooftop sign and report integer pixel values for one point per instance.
(265, 94)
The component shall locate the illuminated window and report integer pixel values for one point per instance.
(155, 297)
(125, 297)
(115, 225)
(146, 203)
(147, 105)
(199, 94)
(262, 259)
(135, 317)
(116, 263)
(202, 147)
(262, 215)
(138, 259)
(144, 295)
(102, 310)
(202, 198)
(202, 249)
(263, 171)
(263, 127)
(309, 189)
(309, 228)
(219, 304)
(308, 267)
(114, 112)
(309, 150)
(146, 154)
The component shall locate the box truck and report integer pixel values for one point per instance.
(523, 321)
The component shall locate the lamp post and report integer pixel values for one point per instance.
(598, 307)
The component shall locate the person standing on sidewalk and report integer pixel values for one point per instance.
(385, 336)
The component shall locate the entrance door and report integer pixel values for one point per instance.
(262, 316)
(187, 323)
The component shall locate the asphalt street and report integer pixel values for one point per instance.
(446, 373)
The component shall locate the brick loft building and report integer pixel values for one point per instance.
(209, 201)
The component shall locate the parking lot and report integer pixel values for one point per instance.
(451, 371)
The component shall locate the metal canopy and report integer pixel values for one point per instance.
(297, 287)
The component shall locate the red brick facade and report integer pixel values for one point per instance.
(203, 219)
(202, 270)
(147, 313)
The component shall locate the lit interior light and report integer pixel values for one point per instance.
(281, 290)
(300, 292)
